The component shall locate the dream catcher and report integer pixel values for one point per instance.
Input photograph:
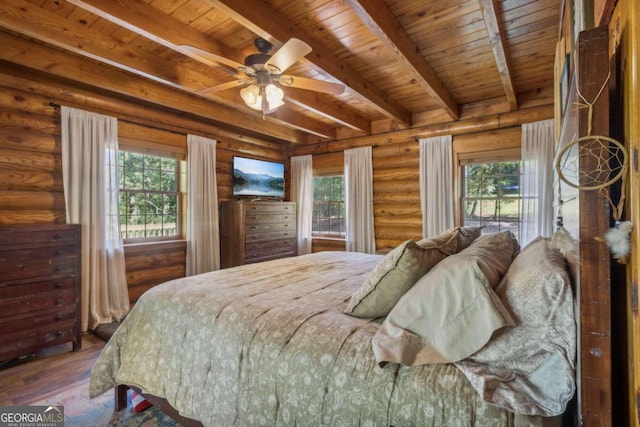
(596, 162)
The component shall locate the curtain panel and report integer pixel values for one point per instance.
(358, 177)
(537, 180)
(203, 235)
(436, 184)
(302, 194)
(91, 192)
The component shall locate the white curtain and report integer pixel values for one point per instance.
(302, 194)
(436, 185)
(90, 177)
(537, 180)
(358, 177)
(203, 235)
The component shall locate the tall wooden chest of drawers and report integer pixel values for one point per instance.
(254, 231)
(39, 287)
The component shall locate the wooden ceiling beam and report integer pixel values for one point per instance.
(496, 38)
(27, 19)
(260, 18)
(313, 102)
(377, 16)
(32, 55)
(139, 18)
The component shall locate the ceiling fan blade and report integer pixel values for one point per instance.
(223, 86)
(311, 84)
(288, 54)
(207, 57)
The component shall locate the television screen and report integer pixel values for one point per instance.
(258, 178)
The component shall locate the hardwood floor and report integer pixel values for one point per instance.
(52, 371)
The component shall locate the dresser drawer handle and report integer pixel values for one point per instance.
(59, 301)
(59, 268)
(21, 266)
(59, 333)
(58, 316)
(58, 285)
(57, 236)
(58, 252)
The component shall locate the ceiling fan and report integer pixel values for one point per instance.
(262, 75)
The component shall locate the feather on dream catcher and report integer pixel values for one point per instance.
(596, 162)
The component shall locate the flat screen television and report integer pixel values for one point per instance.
(257, 178)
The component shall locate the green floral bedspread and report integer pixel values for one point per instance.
(268, 344)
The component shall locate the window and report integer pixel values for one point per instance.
(491, 195)
(150, 196)
(328, 206)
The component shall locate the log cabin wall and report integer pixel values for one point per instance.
(31, 188)
(395, 156)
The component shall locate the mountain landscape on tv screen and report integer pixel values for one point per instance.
(253, 184)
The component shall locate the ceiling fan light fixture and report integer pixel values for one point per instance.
(274, 96)
(251, 96)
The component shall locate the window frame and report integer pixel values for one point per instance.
(505, 156)
(180, 180)
(329, 164)
(329, 235)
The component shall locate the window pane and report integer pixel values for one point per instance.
(491, 196)
(149, 197)
(328, 208)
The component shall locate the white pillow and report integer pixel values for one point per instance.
(449, 314)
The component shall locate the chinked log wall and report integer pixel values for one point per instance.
(31, 188)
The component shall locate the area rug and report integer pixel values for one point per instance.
(81, 411)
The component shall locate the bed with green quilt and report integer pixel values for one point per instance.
(298, 341)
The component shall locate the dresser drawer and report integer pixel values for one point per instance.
(32, 288)
(266, 208)
(34, 303)
(52, 319)
(39, 236)
(261, 218)
(34, 262)
(28, 341)
(268, 227)
(269, 248)
(267, 255)
(260, 245)
(252, 237)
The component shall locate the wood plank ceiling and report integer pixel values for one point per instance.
(405, 63)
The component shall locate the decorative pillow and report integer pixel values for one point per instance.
(467, 235)
(533, 361)
(394, 275)
(495, 253)
(449, 314)
(464, 237)
(536, 286)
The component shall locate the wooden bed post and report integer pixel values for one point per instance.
(120, 397)
(595, 261)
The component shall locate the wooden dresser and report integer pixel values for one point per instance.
(256, 231)
(39, 287)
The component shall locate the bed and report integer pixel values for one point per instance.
(277, 343)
